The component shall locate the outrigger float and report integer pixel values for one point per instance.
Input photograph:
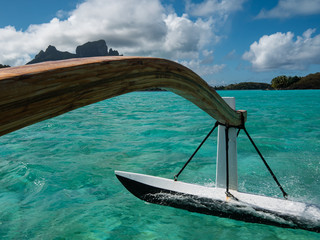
(224, 200)
(32, 93)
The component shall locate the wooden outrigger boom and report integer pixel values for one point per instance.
(32, 93)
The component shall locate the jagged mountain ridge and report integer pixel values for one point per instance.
(89, 49)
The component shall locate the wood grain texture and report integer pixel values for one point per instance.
(32, 93)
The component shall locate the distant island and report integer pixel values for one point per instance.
(245, 86)
(89, 49)
(311, 81)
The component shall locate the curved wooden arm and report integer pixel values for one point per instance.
(32, 93)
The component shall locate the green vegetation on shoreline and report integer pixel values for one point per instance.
(311, 81)
(246, 86)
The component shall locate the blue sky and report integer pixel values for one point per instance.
(224, 41)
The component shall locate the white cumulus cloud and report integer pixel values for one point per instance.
(203, 69)
(291, 8)
(284, 51)
(222, 8)
(133, 27)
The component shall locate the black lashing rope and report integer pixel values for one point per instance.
(285, 195)
(214, 127)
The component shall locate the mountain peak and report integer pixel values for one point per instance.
(89, 49)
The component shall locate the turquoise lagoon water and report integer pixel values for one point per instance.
(57, 177)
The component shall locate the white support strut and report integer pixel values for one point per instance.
(232, 154)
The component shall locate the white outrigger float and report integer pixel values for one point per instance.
(36, 92)
(224, 200)
(213, 201)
